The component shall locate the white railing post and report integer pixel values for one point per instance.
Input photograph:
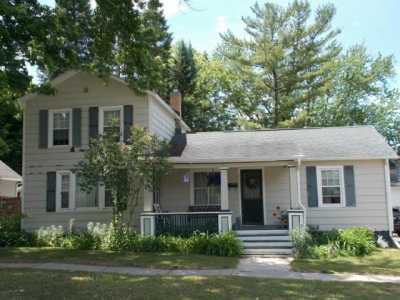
(224, 222)
(296, 219)
(147, 224)
(224, 189)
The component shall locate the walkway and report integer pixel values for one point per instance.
(263, 267)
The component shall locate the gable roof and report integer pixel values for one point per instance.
(330, 143)
(71, 73)
(6, 173)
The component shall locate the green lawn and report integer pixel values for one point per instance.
(386, 262)
(110, 258)
(35, 284)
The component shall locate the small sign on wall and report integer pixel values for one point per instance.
(186, 178)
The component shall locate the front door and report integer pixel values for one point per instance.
(252, 197)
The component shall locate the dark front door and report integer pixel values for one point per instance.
(252, 197)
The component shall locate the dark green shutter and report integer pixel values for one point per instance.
(51, 192)
(93, 122)
(43, 128)
(128, 121)
(312, 186)
(76, 127)
(349, 184)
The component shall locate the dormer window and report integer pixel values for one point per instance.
(111, 118)
(60, 124)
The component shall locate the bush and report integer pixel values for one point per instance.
(357, 241)
(302, 243)
(10, 223)
(16, 239)
(51, 236)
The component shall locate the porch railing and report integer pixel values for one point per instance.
(185, 223)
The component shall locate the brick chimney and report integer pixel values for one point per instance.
(175, 101)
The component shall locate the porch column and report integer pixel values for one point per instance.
(224, 189)
(293, 187)
(147, 201)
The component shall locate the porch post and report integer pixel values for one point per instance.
(147, 201)
(293, 187)
(224, 189)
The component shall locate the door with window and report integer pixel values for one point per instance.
(252, 197)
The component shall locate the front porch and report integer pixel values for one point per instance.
(220, 198)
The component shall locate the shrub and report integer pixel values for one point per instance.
(302, 243)
(357, 241)
(16, 239)
(10, 223)
(51, 236)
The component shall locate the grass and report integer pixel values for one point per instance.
(385, 262)
(35, 284)
(110, 258)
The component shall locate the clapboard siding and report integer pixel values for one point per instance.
(80, 91)
(161, 121)
(370, 209)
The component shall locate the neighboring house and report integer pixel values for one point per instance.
(9, 181)
(324, 177)
(395, 182)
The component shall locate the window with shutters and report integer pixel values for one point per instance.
(111, 119)
(330, 186)
(60, 127)
(207, 188)
(64, 190)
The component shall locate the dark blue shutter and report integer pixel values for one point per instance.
(349, 184)
(43, 128)
(93, 122)
(312, 186)
(128, 121)
(76, 127)
(51, 192)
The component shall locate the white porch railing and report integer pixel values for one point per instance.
(154, 223)
(296, 219)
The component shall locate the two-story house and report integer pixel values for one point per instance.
(249, 180)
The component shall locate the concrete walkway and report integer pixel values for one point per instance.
(263, 267)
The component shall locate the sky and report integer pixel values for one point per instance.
(374, 23)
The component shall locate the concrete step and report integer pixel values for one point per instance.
(267, 245)
(264, 238)
(269, 252)
(262, 232)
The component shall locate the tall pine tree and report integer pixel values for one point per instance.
(288, 52)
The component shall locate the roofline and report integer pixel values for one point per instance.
(10, 179)
(68, 74)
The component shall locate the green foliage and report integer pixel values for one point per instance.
(125, 170)
(11, 234)
(355, 241)
(10, 223)
(50, 236)
(302, 242)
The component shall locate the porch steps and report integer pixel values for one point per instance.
(264, 242)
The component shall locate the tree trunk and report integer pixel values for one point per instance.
(276, 99)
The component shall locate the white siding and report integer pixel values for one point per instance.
(162, 122)
(395, 190)
(8, 188)
(80, 91)
(370, 209)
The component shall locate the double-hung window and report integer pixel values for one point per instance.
(330, 186)
(111, 120)
(207, 188)
(85, 199)
(64, 188)
(60, 127)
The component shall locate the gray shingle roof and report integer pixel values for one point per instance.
(331, 143)
(7, 173)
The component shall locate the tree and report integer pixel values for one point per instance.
(288, 53)
(124, 169)
(183, 69)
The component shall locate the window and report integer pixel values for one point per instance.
(207, 188)
(60, 123)
(111, 118)
(64, 195)
(330, 186)
(84, 199)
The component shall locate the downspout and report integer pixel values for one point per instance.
(299, 191)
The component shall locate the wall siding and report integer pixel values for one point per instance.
(370, 209)
(162, 123)
(37, 162)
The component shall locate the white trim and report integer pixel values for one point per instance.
(103, 109)
(341, 182)
(50, 133)
(71, 192)
(388, 196)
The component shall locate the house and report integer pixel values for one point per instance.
(9, 181)
(264, 179)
